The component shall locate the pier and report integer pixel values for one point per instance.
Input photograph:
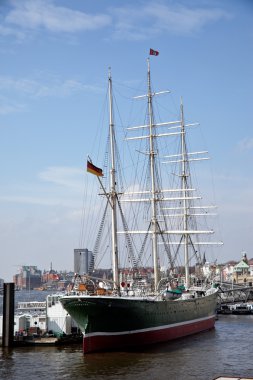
(230, 293)
(235, 299)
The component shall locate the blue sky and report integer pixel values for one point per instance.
(54, 65)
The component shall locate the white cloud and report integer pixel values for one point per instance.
(6, 32)
(246, 144)
(54, 87)
(155, 19)
(57, 186)
(65, 88)
(7, 108)
(33, 14)
(63, 176)
(20, 85)
(16, 91)
(127, 22)
(27, 199)
(180, 19)
(236, 178)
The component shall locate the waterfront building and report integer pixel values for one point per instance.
(227, 271)
(28, 278)
(83, 260)
(242, 271)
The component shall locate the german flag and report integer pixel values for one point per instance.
(94, 170)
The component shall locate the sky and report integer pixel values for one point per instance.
(54, 59)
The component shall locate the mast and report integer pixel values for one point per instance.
(184, 176)
(153, 185)
(150, 136)
(113, 194)
(186, 209)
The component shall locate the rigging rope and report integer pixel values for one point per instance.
(128, 239)
(143, 245)
(98, 240)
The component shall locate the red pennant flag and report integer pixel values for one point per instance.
(153, 52)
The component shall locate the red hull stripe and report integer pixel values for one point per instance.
(111, 341)
(158, 328)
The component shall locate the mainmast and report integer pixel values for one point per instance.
(153, 191)
(113, 194)
(152, 154)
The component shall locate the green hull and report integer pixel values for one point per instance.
(118, 314)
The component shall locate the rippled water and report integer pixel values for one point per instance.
(226, 350)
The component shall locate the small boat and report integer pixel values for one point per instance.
(139, 305)
(225, 309)
(242, 308)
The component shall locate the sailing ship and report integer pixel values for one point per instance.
(141, 306)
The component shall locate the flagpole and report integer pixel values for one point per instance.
(107, 196)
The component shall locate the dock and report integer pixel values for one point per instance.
(24, 341)
(231, 293)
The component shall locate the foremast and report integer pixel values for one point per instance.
(113, 193)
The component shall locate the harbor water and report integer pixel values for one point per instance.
(225, 350)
